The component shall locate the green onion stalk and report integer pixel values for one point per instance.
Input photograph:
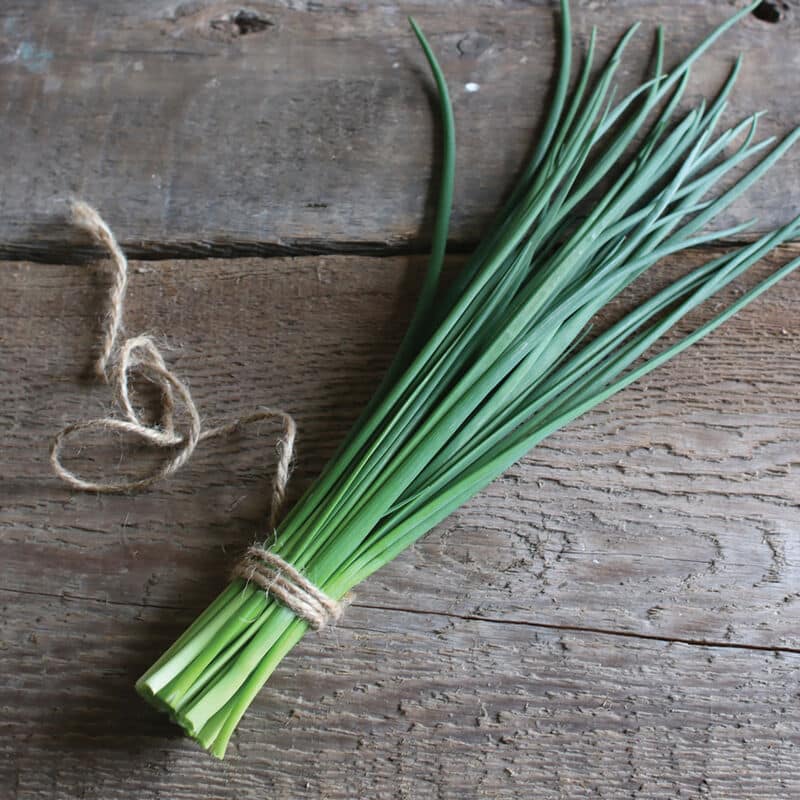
(500, 360)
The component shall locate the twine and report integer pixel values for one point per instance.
(280, 579)
(140, 356)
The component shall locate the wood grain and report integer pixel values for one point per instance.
(309, 128)
(616, 616)
(397, 704)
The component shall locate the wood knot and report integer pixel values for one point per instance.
(242, 22)
(771, 11)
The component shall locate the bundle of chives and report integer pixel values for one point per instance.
(502, 361)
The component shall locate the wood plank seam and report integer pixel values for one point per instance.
(65, 253)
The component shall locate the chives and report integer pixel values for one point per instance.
(495, 364)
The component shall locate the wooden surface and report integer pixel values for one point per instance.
(313, 132)
(616, 617)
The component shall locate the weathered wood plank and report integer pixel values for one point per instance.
(195, 133)
(671, 511)
(398, 705)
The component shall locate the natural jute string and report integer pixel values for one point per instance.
(140, 356)
(280, 579)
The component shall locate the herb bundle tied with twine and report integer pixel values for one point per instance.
(492, 365)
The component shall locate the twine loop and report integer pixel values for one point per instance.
(139, 356)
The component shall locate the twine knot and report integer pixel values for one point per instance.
(280, 579)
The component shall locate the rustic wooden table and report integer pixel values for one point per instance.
(616, 617)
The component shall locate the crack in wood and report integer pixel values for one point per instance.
(587, 629)
(449, 615)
